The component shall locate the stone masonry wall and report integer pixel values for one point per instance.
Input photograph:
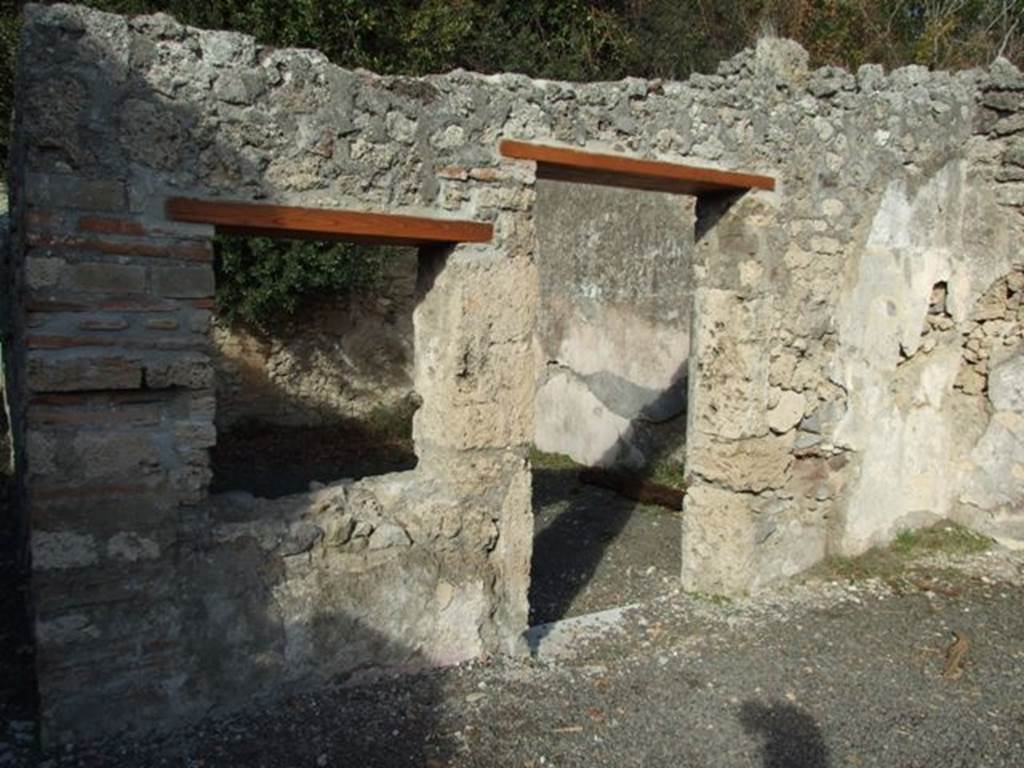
(818, 419)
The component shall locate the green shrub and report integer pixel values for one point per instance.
(261, 281)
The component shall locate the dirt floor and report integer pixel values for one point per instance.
(595, 550)
(843, 669)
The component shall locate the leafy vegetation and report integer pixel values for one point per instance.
(591, 39)
(261, 281)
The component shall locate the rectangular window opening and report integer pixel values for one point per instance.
(313, 349)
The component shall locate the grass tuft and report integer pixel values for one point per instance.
(670, 473)
(890, 564)
(551, 461)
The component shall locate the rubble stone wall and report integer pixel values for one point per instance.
(827, 407)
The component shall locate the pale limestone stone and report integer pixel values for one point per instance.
(1006, 385)
(717, 541)
(61, 550)
(729, 383)
(389, 535)
(753, 464)
(997, 479)
(787, 413)
(132, 547)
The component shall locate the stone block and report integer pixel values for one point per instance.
(717, 541)
(787, 413)
(191, 371)
(729, 393)
(43, 272)
(62, 550)
(82, 373)
(67, 191)
(753, 465)
(1006, 385)
(132, 547)
(106, 278)
(41, 449)
(114, 456)
(183, 282)
(195, 434)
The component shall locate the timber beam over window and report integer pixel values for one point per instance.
(325, 223)
(567, 164)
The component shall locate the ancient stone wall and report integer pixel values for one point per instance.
(827, 407)
(615, 267)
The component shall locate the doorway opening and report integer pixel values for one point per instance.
(615, 267)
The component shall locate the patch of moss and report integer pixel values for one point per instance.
(670, 473)
(551, 461)
(947, 538)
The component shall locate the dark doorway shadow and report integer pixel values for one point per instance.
(270, 460)
(568, 550)
(792, 738)
(711, 208)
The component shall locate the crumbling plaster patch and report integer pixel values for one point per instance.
(908, 426)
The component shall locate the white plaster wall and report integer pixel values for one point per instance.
(911, 429)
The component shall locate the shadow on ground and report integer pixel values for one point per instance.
(270, 461)
(791, 737)
(594, 549)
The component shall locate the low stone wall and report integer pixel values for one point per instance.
(349, 357)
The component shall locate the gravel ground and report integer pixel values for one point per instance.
(594, 549)
(815, 674)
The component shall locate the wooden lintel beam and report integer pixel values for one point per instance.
(568, 164)
(325, 224)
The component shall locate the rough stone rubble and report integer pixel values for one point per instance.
(853, 369)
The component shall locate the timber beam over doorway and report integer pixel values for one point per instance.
(568, 164)
(269, 220)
